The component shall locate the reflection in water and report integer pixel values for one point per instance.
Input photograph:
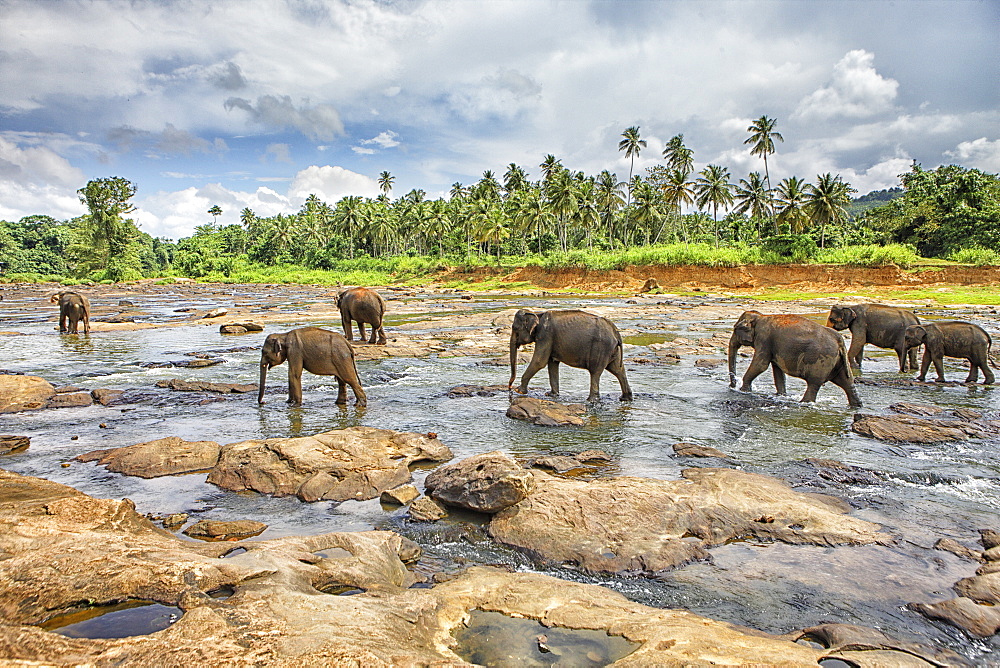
(120, 620)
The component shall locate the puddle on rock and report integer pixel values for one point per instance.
(494, 639)
(119, 620)
(337, 589)
(333, 553)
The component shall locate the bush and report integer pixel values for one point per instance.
(976, 255)
(902, 255)
(797, 248)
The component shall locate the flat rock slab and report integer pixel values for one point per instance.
(107, 397)
(219, 530)
(71, 400)
(10, 443)
(486, 483)
(355, 463)
(164, 456)
(643, 526)
(692, 450)
(477, 390)
(426, 509)
(399, 496)
(912, 429)
(201, 386)
(546, 413)
(24, 393)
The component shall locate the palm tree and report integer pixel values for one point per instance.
(587, 216)
(488, 187)
(514, 180)
(385, 181)
(561, 193)
(791, 201)
(215, 212)
(762, 136)
(457, 190)
(534, 212)
(438, 224)
(491, 226)
(678, 156)
(678, 192)
(549, 167)
(647, 210)
(631, 144)
(350, 217)
(609, 199)
(753, 197)
(713, 188)
(826, 202)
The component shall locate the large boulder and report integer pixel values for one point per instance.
(13, 442)
(355, 463)
(24, 393)
(164, 456)
(486, 483)
(219, 530)
(644, 526)
(70, 400)
(912, 429)
(546, 413)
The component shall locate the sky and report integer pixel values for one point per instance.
(260, 103)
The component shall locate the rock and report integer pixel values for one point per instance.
(650, 284)
(250, 326)
(216, 530)
(354, 463)
(24, 393)
(116, 318)
(215, 313)
(844, 474)
(594, 456)
(965, 413)
(198, 363)
(963, 612)
(692, 450)
(201, 386)
(107, 397)
(65, 389)
(477, 390)
(989, 538)
(71, 400)
(956, 548)
(164, 456)
(709, 363)
(904, 428)
(125, 302)
(486, 483)
(426, 509)
(174, 520)
(644, 526)
(916, 409)
(546, 413)
(667, 357)
(10, 443)
(233, 329)
(558, 463)
(861, 646)
(400, 496)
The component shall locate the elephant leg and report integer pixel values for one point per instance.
(618, 370)
(857, 350)
(984, 364)
(758, 365)
(973, 370)
(381, 335)
(360, 398)
(846, 383)
(374, 335)
(540, 358)
(779, 379)
(294, 382)
(341, 392)
(913, 359)
(553, 378)
(345, 321)
(595, 385)
(812, 389)
(901, 356)
(939, 367)
(361, 331)
(924, 365)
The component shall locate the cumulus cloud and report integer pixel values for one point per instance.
(173, 140)
(330, 184)
(856, 90)
(505, 94)
(230, 77)
(37, 165)
(980, 153)
(320, 122)
(278, 152)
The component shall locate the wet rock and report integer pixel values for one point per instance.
(217, 530)
(477, 390)
(959, 550)
(65, 389)
(71, 400)
(24, 393)
(709, 363)
(522, 359)
(844, 474)
(644, 526)
(692, 450)
(164, 456)
(916, 409)
(116, 318)
(486, 483)
(174, 521)
(905, 428)
(233, 329)
(125, 302)
(989, 538)
(594, 457)
(400, 496)
(862, 646)
(198, 363)
(546, 413)
(201, 386)
(215, 313)
(107, 397)
(963, 612)
(10, 443)
(354, 463)
(558, 463)
(426, 509)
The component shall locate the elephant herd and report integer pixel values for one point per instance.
(791, 345)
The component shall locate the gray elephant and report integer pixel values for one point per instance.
(73, 307)
(792, 345)
(362, 305)
(953, 338)
(576, 338)
(882, 326)
(316, 350)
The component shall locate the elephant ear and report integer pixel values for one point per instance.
(531, 322)
(848, 314)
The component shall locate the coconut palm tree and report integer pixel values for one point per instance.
(533, 212)
(753, 197)
(215, 212)
(609, 199)
(761, 139)
(349, 217)
(488, 187)
(549, 166)
(678, 192)
(712, 188)
(457, 190)
(678, 156)
(791, 201)
(631, 144)
(826, 202)
(561, 194)
(514, 180)
(385, 181)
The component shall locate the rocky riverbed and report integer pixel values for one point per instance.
(694, 524)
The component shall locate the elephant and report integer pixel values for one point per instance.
(577, 338)
(953, 338)
(792, 345)
(882, 326)
(362, 305)
(73, 307)
(316, 350)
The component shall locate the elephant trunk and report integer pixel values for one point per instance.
(734, 347)
(513, 360)
(263, 380)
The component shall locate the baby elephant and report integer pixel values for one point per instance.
(882, 326)
(362, 305)
(74, 308)
(953, 338)
(316, 350)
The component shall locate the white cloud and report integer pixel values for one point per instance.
(318, 122)
(856, 90)
(980, 153)
(385, 139)
(278, 152)
(330, 184)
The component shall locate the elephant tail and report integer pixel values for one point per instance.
(843, 357)
(989, 357)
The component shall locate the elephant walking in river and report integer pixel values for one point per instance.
(953, 338)
(73, 308)
(882, 326)
(362, 305)
(316, 350)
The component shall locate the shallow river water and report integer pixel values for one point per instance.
(925, 492)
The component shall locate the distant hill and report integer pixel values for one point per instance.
(873, 199)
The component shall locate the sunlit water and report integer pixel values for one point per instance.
(924, 492)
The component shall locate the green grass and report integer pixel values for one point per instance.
(869, 256)
(945, 296)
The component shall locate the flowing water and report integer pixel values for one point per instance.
(919, 493)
